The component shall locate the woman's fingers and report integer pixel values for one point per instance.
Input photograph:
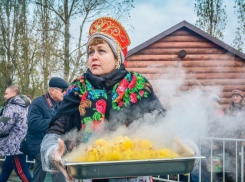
(58, 161)
(61, 167)
(64, 171)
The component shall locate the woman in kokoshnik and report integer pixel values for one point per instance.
(107, 93)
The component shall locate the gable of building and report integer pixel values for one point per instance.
(207, 63)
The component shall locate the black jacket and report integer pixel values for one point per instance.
(40, 113)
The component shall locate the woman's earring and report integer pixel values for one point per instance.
(118, 64)
(118, 57)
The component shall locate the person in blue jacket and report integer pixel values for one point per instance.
(40, 113)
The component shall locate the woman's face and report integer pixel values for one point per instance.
(236, 98)
(101, 59)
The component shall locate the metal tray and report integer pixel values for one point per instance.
(131, 168)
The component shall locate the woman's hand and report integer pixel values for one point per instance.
(58, 161)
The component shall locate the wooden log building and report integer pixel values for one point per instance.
(206, 61)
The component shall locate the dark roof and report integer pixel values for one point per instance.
(194, 29)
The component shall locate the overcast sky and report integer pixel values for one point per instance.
(151, 17)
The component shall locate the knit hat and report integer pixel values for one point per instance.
(113, 33)
(237, 91)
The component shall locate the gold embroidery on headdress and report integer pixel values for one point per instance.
(108, 27)
(112, 28)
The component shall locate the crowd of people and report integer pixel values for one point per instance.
(21, 121)
(105, 94)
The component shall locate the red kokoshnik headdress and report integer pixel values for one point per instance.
(112, 28)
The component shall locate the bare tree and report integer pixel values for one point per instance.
(19, 45)
(48, 29)
(10, 12)
(26, 48)
(212, 17)
(12, 30)
(240, 30)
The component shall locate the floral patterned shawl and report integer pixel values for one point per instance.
(131, 90)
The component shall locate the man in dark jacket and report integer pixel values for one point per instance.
(41, 111)
(13, 128)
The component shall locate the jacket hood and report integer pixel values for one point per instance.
(20, 100)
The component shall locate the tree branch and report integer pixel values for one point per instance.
(73, 2)
(52, 9)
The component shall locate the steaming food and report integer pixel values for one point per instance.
(123, 148)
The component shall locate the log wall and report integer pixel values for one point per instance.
(206, 65)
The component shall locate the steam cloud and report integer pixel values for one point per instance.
(190, 115)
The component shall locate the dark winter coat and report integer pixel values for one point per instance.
(40, 113)
(236, 112)
(236, 109)
(13, 125)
